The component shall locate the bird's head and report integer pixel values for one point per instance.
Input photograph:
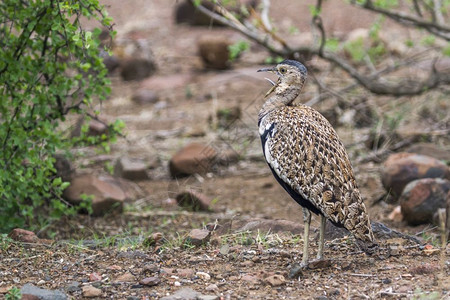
(291, 75)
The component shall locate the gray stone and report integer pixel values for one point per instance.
(150, 281)
(183, 294)
(198, 237)
(72, 287)
(131, 168)
(43, 294)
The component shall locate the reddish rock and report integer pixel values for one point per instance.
(131, 168)
(187, 13)
(90, 291)
(150, 281)
(183, 273)
(96, 127)
(250, 278)
(137, 69)
(194, 201)
(421, 198)
(131, 189)
(214, 51)
(95, 277)
(145, 96)
(106, 196)
(126, 277)
(198, 237)
(430, 149)
(22, 235)
(275, 280)
(191, 159)
(401, 168)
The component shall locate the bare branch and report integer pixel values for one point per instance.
(372, 83)
(438, 29)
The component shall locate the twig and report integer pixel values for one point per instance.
(361, 275)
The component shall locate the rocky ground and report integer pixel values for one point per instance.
(230, 231)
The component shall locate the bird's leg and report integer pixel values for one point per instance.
(323, 223)
(306, 223)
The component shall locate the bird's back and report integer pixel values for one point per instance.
(310, 162)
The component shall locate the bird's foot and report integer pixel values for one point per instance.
(297, 268)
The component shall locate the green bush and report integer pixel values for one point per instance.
(49, 67)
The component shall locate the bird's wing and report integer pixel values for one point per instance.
(308, 159)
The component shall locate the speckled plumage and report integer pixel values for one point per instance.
(307, 157)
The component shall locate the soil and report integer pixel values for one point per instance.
(240, 265)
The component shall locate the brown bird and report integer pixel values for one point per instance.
(308, 159)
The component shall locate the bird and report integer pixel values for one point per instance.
(309, 161)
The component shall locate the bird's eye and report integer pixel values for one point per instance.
(283, 70)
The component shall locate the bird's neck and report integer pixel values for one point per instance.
(281, 95)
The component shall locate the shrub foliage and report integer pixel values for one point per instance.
(49, 67)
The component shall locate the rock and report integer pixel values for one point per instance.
(131, 189)
(212, 288)
(151, 268)
(191, 159)
(24, 236)
(126, 277)
(95, 277)
(208, 297)
(95, 127)
(137, 68)
(145, 96)
(150, 281)
(430, 149)
(73, 287)
(198, 237)
(193, 201)
(42, 294)
(106, 196)
(250, 278)
(131, 168)
(64, 168)
(401, 168)
(187, 13)
(166, 82)
(203, 275)
(421, 198)
(183, 294)
(214, 52)
(275, 280)
(90, 291)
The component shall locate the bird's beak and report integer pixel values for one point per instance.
(272, 70)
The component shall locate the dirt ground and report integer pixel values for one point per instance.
(242, 265)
